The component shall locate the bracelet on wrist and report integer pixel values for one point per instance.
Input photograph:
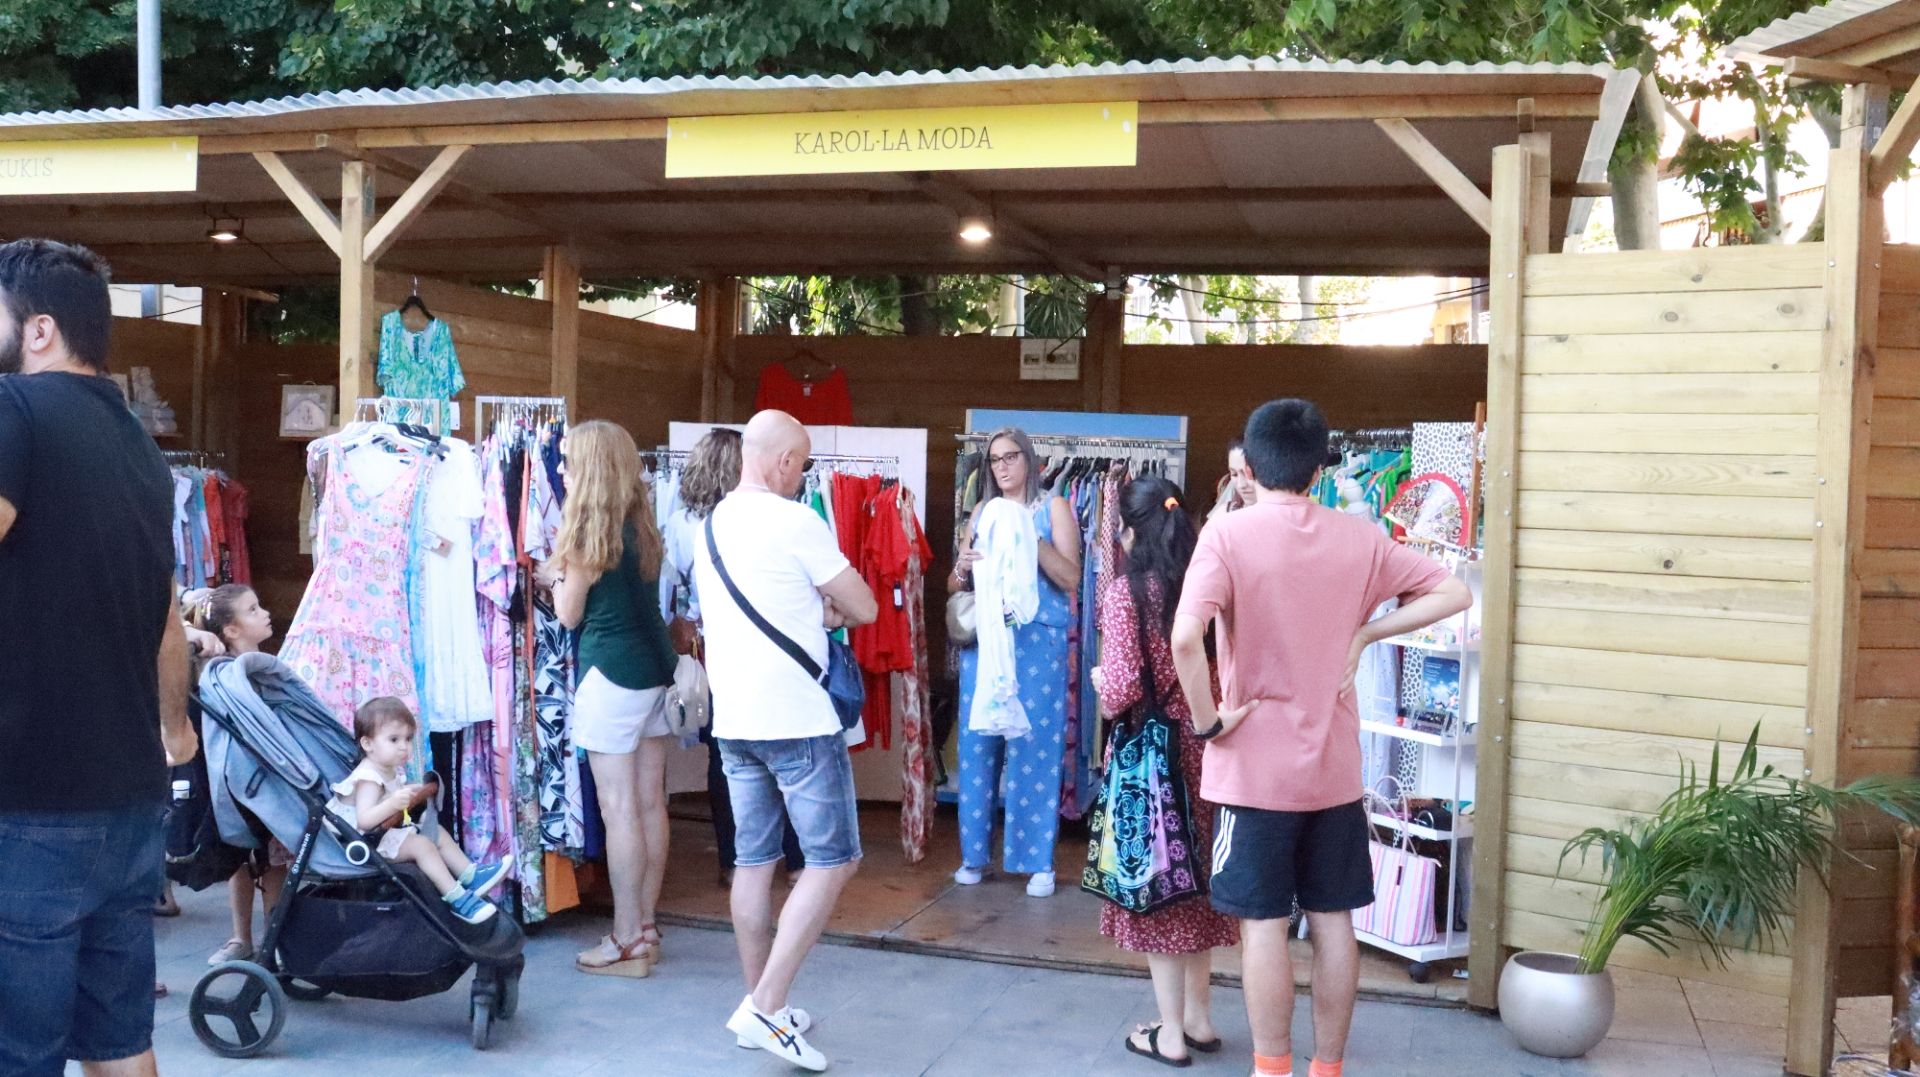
(1219, 727)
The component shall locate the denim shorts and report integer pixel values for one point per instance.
(76, 936)
(808, 780)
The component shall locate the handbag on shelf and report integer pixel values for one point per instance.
(1140, 851)
(1404, 882)
(840, 679)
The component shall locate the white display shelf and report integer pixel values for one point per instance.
(1438, 740)
(1449, 946)
(1462, 828)
(1432, 647)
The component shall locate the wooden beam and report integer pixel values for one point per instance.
(1895, 144)
(719, 322)
(1464, 192)
(1513, 222)
(1883, 49)
(950, 193)
(1579, 106)
(407, 208)
(561, 282)
(324, 223)
(1811, 70)
(1852, 297)
(357, 373)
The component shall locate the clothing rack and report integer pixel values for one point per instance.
(1399, 435)
(441, 416)
(540, 409)
(195, 458)
(1077, 441)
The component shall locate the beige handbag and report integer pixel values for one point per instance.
(963, 627)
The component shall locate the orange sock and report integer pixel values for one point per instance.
(1273, 1065)
(1317, 1068)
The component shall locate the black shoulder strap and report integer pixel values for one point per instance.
(794, 650)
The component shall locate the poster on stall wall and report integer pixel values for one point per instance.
(1049, 359)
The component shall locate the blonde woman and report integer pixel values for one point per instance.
(605, 575)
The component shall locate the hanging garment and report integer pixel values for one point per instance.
(418, 366)
(495, 569)
(910, 696)
(1005, 583)
(350, 640)
(825, 402)
(458, 689)
(525, 801)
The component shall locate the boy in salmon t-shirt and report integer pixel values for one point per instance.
(1292, 585)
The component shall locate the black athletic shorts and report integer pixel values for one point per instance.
(1266, 861)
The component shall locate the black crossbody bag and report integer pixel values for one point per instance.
(841, 680)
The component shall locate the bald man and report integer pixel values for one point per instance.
(778, 735)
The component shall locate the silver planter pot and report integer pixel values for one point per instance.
(1553, 1010)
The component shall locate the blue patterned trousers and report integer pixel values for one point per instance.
(1032, 763)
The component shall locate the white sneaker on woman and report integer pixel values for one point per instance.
(967, 876)
(796, 1018)
(1041, 885)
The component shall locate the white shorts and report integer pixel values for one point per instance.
(613, 720)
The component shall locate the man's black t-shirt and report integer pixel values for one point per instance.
(86, 577)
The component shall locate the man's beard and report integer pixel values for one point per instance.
(12, 353)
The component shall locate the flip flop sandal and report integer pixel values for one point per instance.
(1205, 1047)
(633, 959)
(168, 907)
(1153, 1048)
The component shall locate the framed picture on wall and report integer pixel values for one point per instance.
(306, 411)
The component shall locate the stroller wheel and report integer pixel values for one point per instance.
(506, 980)
(240, 1017)
(482, 1013)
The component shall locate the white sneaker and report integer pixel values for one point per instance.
(773, 1032)
(1041, 885)
(797, 1019)
(967, 876)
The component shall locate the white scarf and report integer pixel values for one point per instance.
(1006, 584)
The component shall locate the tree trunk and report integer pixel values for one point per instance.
(1829, 126)
(1309, 299)
(1636, 182)
(1007, 316)
(1196, 314)
(916, 306)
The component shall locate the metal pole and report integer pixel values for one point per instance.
(147, 24)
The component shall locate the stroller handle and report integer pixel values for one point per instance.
(357, 853)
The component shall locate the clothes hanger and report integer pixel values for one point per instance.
(818, 371)
(414, 302)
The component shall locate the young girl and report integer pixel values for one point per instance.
(232, 615)
(1179, 938)
(374, 795)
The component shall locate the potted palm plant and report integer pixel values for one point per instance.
(1717, 864)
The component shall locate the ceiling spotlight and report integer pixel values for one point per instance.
(226, 231)
(975, 231)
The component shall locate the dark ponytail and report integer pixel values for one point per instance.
(1163, 541)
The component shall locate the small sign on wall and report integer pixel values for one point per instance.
(1050, 359)
(306, 411)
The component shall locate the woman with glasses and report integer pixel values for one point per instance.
(1033, 762)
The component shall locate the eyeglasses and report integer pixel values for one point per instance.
(1006, 458)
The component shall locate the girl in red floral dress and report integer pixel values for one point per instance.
(1178, 939)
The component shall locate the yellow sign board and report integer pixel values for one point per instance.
(904, 140)
(100, 166)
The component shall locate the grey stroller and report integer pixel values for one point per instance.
(349, 922)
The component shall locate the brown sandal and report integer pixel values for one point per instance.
(650, 934)
(613, 958)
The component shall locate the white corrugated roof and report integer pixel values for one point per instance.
(1792, 36)
(657, 87)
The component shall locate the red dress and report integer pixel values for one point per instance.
(816, 403)
(1191, 925)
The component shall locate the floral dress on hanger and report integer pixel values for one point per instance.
(350, 640)
(418, 366)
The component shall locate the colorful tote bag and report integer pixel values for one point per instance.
(1140, 855)
(1403, 887)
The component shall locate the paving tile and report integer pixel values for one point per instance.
(1713, 1002)
(1654, 1016)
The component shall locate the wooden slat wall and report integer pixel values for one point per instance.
(1664, 553)
(1881, 729)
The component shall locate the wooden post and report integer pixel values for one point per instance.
(1852, 295)
(1100, 350)
(356, 287)
(1515, 221)
(719, 321)
(202, 348)
(560, 279)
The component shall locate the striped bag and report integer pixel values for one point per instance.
(1403, 890)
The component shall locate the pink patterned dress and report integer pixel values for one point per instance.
(1191, 925)
(351, 640)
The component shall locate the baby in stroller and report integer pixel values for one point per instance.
(375, 795)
